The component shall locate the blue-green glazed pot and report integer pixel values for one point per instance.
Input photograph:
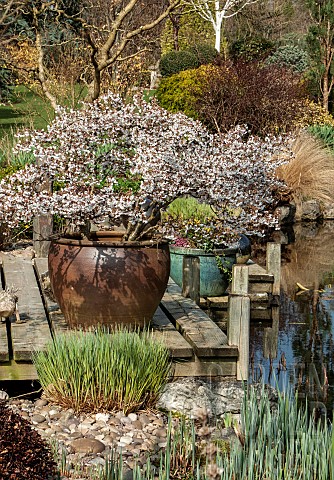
(213, 281)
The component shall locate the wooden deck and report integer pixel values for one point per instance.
(197, 343)
(198, 346)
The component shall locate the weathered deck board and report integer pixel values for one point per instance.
(18, 371)
(4, 350)
(205, 367)
(164, 330)
(33, 332)
(197, 345)
(201, 332)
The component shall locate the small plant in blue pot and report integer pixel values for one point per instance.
(201, 233)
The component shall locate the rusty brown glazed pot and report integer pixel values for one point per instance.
(108, 282)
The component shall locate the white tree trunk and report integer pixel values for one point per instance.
(218, 26)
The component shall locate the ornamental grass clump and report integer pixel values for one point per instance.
(310, 173)
(94, 371)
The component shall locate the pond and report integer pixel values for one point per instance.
(297, 349)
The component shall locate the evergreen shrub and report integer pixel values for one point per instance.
(179, 92)
(174, 62)
(290, 56)
(266, 98)
(249, 49)
(313, 113)
(204, 52)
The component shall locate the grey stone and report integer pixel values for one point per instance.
(128, 474)
(160, 432)
(97, 461)
(197, 398)
(109, 439)
(286, 214)
(56, 428)
(144, 419)
(87, 445)
(125, 420)
(38, 418)
(41, 402)
(125, 440)
(308, 211)
(137, 424)
(114, 421)
(3, 395)
(102, 417)
(74, 435)
(328, 212)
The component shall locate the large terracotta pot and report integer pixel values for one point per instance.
(108, 282)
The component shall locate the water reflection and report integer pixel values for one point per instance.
(297, 347)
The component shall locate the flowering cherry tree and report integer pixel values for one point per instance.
(129, 161)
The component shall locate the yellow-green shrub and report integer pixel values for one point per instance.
(314, 114)
(179, 92)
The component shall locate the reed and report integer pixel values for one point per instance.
(92, 371)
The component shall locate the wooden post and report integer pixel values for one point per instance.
(274, 265)
(191, 278)
(270, 337)
(42, 228)
(239, 318)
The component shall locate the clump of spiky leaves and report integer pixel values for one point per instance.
(278, 441)
(97, 370)
(310, 172)
(282, 442)
(325, 133)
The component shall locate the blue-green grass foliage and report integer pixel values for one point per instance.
(97, 370)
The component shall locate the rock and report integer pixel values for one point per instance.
(128, 475)
(87, 445)
(98, 461)
(102, 417)
(8, 299)
(144, 419)
(125, 440)
(328, 212)
(133, 417)
(41, 402)
(286, 214)
(160, 432)
(197, 398)
(308, 211)
(3, 395)
(75, 435)
(38, 418)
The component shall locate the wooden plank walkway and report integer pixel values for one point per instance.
(198, 347)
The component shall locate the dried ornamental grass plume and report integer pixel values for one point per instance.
(129, 161)
(310, 172)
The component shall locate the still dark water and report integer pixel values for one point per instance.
(297, 349)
